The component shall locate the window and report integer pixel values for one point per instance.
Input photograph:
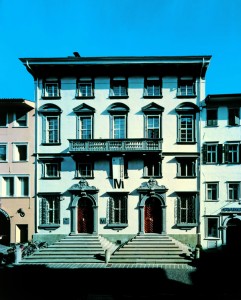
(212, 153)
(3, 119)
(50, 169)
(85, 88)
(186, 209)
(3, 152)
(152, 87)
(232, 153)
(211, 227)
(20, 119)
(153, 127)
(23, 186)
(233, 191)
(118, 88)
(152, 167)
(85, 127)
(15, 186)
(51, 89)
(20, 152)
(186, 167)
(152, 120)
(84, 169)
(186, 87)
(117, 210)
(211, 191)
(50, 124)
(233, 116)
(118, 168)
(119, 127)
(212, 117)
(49, 210)
(8, 186)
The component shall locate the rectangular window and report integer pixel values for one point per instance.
(118, 88)
(85, 89)
(152, 167)
(3, 152)
(212, 117)
(211, 191)
(212, 153)
(152, 87)
(233, 116)
(20, 152)
(23, 186)
(186, 87)
(84, 170)
(52, 129)
(212, 225)
(50, 210)
(153, 127)
(8, 186)
(3, 119)
(20, 119)
(51, 170)
(186, 167)
(117, 209)
(51, 89)
(233, 191)
(186, 209)
(119, 127)
(231, 153)
(85, 127)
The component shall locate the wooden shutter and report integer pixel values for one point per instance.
(44, 123)
(226, 146)
(204, 153)
(220, 153)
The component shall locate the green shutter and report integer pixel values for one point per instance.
(204, 153)
(44, 122)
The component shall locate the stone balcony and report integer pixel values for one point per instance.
(111, 145)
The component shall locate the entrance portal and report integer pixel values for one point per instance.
(4, 228)
(153, 220)
(234, 234)
(85, 216)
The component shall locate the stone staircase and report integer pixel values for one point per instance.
(152, 249)
(70, 249)
(142, 249)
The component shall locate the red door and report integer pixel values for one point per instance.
(85, 216)
(153, 222)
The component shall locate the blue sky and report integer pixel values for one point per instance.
(57, 28)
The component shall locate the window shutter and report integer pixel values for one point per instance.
(220, 153)
(111, 127)
(239, 153)
(178, 128)
(178, 169)
(204, 153)
(43, 211)
(226, 153)
(194, 168)
(43, 88)
(44, 121)
(111, 210)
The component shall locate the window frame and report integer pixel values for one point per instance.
(80, 131)
(15, 118)
(186, 84)
(84, 82)
(156, 84)
(229, 154)
(233, 116)
(52, 95)
(44, 174)
(17, 190)
(122, 84)
(218, 153)
(186, 165)
(16, 146)
(117, 216)
(211, 121)
(208, 227)
(237, 184)
(46, 212)
(211, 190)
(6, 152)
(152, 167)
(181, 209)
(90, 170)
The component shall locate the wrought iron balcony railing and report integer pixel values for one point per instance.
(111, 145)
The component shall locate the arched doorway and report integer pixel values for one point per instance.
(4, 228)
(85, 216)
(152, 216)
(233, 234)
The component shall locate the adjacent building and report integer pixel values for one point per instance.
(17, 201)
(220, 174)
(117, 146)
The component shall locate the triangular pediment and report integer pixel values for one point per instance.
(84, 109)
(152, 107)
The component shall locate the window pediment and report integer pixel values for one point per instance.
(187, 107)
(152, 108)
(84, 109)
(118, 108)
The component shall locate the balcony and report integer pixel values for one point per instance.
(111, 145)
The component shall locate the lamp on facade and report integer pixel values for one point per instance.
(21, 212)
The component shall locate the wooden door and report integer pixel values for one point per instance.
(85, 216)
(153, 220)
